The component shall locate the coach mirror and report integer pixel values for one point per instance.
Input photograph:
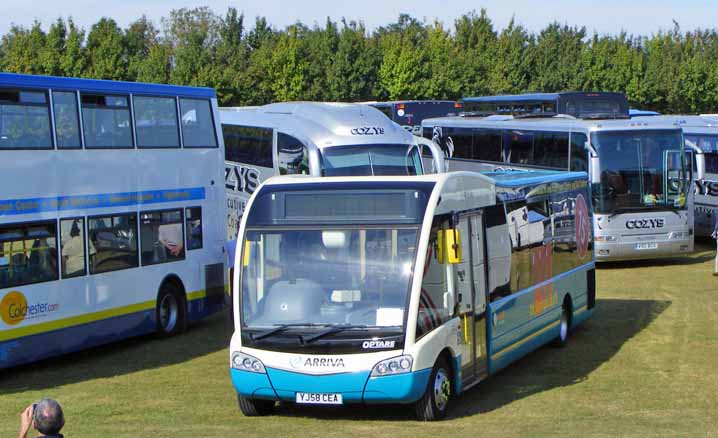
(449, 246)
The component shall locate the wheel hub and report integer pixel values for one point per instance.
(442, 389)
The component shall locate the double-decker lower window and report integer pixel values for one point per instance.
(115, 241)
(28, 253)
(72, 252)
(162, 236)
(193, 216)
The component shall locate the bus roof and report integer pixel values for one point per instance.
(556, 123)
(16, 80)
(323, 124)
(396, 102)
(519, 178)
(691, 124)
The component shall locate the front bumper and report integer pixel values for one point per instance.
(617, 251)
(356, 387)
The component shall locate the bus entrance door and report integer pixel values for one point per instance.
(470, 280)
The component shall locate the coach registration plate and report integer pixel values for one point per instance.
(319, 398)
(646, 245)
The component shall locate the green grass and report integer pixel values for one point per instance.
(644, 365)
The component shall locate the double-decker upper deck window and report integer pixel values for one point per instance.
(67, 122)
(24, 120)
(106, 121)
(197, 126)
(28, 253)
(156, 122)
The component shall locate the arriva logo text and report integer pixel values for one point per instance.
(634, 224)
(317, 362)
(368, 130)
(378, 344)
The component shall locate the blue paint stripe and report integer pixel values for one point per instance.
(83, 202)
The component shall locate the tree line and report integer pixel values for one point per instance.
(251, 64)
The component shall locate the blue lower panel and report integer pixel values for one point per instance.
(515, 352)
(201, 308)
(36, 347)
(354, 387)
(402, 388)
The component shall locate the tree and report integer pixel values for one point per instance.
(140, 37)
(557, 56)
(22, 49)
(475, 39)
(352, 74)
(192, 34)
(513, 63)
(73, 61)
(105, 51)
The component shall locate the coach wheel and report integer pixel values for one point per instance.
(434, 404)
(171, 311)
(252, 407)
(564, 332)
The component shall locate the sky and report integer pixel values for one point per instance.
(638, 17)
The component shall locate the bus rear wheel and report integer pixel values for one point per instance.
(171, 312)
(564, 332)
(434, 404)
(252, 407)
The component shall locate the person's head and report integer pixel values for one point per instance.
(48, 418)
(75, 231)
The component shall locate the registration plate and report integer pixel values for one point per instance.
(646, 245)
(319, 398)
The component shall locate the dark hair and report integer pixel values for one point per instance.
(48, 417)
(75, 231)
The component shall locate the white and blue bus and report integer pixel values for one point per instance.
(112, 212)
(638, 170)
(404, 289)
(313, 138)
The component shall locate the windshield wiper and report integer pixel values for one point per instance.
(334, 329)
(280, 328)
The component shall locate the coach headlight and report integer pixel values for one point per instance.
(245, 362)
(678, 235)
(395, 365)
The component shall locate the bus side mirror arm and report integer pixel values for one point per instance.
(437, 155)
(700, 162)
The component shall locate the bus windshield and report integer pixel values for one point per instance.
(327, 276)
(639, 171)
(367, 160)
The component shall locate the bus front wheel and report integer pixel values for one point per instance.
(434, 404)
(171, 311)
(251, 407)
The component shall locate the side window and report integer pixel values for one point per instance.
(197, 124)
(292, 155)
(529, 230)
(193, 217)
(461, 142)
(114, 239)
(72, 252)
(551, 149)
(487, 145)
(67, 120)
(579, 155)
(162, 236)
(498, 243)
(28, 253)
(520, 146)
(106, 121)
(248, 145)
(156, 122)
(569, 253)
(24, 120)
(432, 312)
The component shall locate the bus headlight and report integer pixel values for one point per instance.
(678, 235)
(246, 362)
(606, 238)
(395, 365)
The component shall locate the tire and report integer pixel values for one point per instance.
(252, 407)
(564, 325)
(171, 311)
(434, 404)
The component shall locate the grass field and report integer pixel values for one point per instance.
(644, 365)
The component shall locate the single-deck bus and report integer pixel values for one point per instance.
(112, 213)
(404, 289)
(410, 113)
(638, 172)
(314, 138)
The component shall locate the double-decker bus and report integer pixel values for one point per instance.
(112, 213)
(701, 135)
(404, 289)
(410, 113)
(638, 170)
(314, 138)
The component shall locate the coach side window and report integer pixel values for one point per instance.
(579, 155)
(520, 146)
(24, 120)
(106, 121)
(551, 149)
(292, 155)
(461, 141)
(248, 145)
(72, 252)
(67, 121)
(487, 145)
(197, 126)
(115, 240)
(28, 253)
(156, 122)
(161, 236)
